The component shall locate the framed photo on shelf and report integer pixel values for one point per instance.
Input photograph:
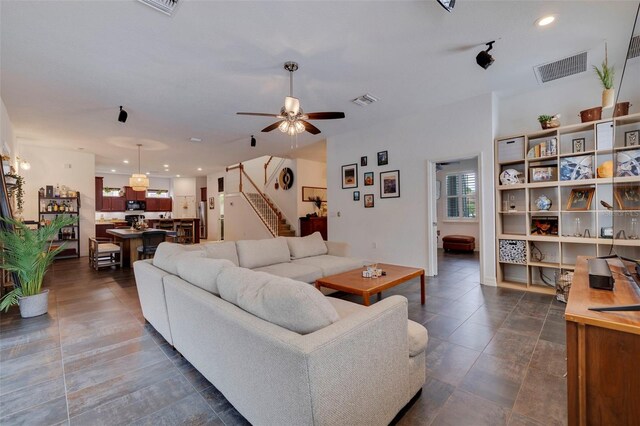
(544, 225)
(383, 158)
(627, 197)
(363, 161)
(580, 199)
(368, 179)
(368, 201)
(350, 176)
(356, 195)
(578, 145)
(543, 174)
(632, 138)
(390, 184)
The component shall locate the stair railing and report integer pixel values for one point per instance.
(268, 213)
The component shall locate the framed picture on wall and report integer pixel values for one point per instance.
(383, 158)
(212, 203)
(356, 195)
(390, 184)
(368, 179)
(363, 161)
(350, 176)
(368, 201)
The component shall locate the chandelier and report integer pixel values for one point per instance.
(138, 181)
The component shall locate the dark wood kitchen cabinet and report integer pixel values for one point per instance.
(99, 187)
(132, 195)
(159, 204)
(113, 204)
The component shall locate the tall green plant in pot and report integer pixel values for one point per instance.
(29, 253)
(605, 75)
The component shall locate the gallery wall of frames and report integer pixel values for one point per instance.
(562, 193)
(388, 181)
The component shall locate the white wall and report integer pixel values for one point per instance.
(397, 226)
(184, 194)
(74, 169)
(213, 215)
(310, 173)
(455, 227)
(240, 221)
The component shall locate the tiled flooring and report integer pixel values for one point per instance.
(494, 357)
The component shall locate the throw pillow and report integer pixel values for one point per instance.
(256, 253)
(311, 245)
(168, 254)
(294, 305)
(202, 271)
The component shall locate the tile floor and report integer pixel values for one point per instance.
(494, 357)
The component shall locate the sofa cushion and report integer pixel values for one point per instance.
(222, 250)
(311, 245)
(344, 307)
(202, 271)
(331, 265)
(418, 338)
(304, 273)
(168, 254)
(294, 305)
(256, 253)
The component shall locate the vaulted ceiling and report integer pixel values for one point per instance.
(66, 66)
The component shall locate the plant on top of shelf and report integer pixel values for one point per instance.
(28, 253)
(549, 121)
(605, 75)
(18, 189)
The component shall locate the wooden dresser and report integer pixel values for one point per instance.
(603, 351)
(309, 225)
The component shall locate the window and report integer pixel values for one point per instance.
(461, 195)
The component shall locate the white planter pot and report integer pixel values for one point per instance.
(6, 167)
(33, 306)
(10, 180)
(608, 98)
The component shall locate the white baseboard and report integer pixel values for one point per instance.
(489, 281)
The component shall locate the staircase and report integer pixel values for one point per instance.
(270, 215)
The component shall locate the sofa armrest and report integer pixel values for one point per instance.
(361, 358)
(149, 282)
(336, 248)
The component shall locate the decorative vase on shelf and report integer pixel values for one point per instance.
(543, 202)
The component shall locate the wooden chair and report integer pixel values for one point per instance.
(165, 224)
(103, 252)
(150, 242)
(184, 230)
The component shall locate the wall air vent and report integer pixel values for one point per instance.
(164, 6)
(365, 100)
(563, 68)
(634, 48)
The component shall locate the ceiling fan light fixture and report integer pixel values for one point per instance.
(292, 105)
(299, 126)
(447, 4)
(284, 126)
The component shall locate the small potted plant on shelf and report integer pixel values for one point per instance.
(605, 75)
(28, 253)
(549, 121)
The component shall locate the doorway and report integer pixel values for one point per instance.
(454, 208)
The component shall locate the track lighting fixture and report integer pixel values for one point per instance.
(253, 141)
(122, 117)
(484, 59)
(447, 4)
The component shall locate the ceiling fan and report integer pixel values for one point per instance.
(292, 119)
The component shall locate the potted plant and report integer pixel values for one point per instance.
(28, 253)
(605, 75)
(15, 184)
(549, 121)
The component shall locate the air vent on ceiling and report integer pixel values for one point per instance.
(563, 68)
(365, 100)
(634, 47)
(164, 6)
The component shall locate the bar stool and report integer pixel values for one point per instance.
(165, 224)
(184, 229)
(150, 242)
(104, 252)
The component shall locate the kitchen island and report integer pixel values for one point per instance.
(131, 239)
(153, 223)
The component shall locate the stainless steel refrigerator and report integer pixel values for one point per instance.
(202, 215)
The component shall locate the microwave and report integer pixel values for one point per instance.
(136, 205)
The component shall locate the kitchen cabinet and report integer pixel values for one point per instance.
(166, 205)
(99, 182)
(101, 230)
(132, 195)
(159, 204)
(113, 204)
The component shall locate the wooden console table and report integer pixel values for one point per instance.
(603, 351)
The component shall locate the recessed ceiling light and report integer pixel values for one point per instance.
(147, 173)
(546, 20)
(113, 170)
(196, 139)
(165, 166)
(166, 170)
(199, 169)
(177, 175)
(125, 161)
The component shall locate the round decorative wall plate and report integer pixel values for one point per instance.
(286, 178)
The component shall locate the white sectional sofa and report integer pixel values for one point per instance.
(279, 350)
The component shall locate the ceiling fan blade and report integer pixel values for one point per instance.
(324, 115)
(310, 127)
(272, 126)
(260, 114)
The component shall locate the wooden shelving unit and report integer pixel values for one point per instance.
(603, 141)
(72, 243)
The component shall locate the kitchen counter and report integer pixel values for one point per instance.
(196, 225)
(131, 239)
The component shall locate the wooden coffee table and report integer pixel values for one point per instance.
(352, 281)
